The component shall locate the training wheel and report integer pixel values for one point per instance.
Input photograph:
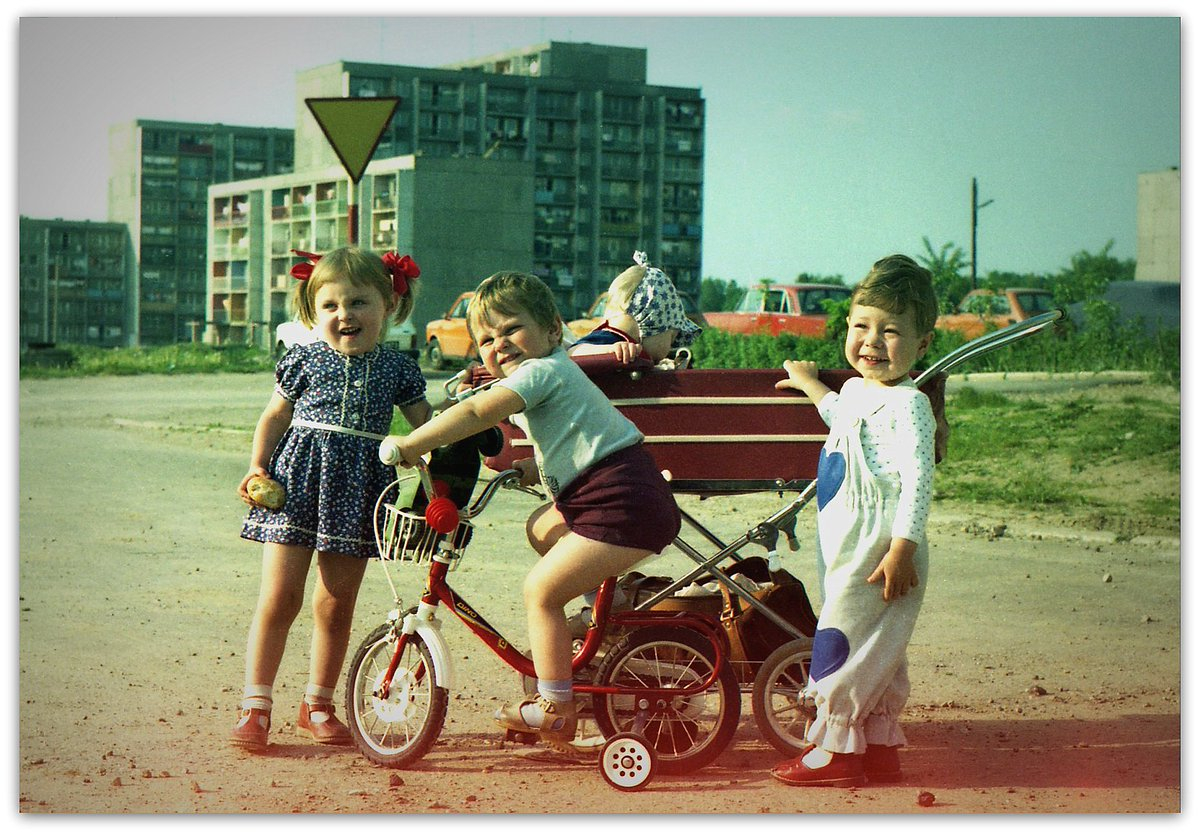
(627, 762)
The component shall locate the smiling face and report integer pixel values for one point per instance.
(349, 317)
(506, 340)
(883, 346)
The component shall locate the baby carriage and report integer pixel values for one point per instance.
(729, 432)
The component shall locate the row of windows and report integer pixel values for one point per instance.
(453, 95)
(184, 142)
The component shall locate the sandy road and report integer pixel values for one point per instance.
(1046, 666)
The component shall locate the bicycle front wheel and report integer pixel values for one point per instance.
(686, 732)
(397, 728)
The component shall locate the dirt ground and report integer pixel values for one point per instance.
(1045, 668)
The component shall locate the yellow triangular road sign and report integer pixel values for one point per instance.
(353, 127)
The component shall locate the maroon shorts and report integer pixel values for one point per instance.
(622, 500)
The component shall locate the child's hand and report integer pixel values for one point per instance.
(801, 374)
(897, 570)
(396, 451)
(626, 352)
(527, 467)
(243, 492)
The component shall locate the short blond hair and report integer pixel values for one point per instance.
(508, 293)
(622, 287)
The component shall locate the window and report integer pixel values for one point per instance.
(252, 146)
(505, 99)
(367, 88)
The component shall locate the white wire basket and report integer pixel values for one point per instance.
(406, 537)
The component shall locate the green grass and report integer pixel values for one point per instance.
(84, 360)
(1076, 455)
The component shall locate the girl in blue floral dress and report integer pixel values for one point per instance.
(319, 438)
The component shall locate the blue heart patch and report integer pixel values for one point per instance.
(830, 650)
(831, 472)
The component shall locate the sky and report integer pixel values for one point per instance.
(830, 141)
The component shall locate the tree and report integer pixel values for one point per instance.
(717, 294)
(946, 266)
(810, 278)
(1089, 275)
(1002, 280)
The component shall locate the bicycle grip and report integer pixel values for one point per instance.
(389, 452)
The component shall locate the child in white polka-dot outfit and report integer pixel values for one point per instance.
(874, 484)
(319, 438)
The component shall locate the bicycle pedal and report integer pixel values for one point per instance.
(521, 737)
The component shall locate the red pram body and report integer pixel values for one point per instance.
(715, 430)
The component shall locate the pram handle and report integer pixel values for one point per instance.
(990, 342)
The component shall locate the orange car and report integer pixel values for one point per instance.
(448, 338)
(984, 310)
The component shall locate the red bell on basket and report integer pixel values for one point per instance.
(442, 515)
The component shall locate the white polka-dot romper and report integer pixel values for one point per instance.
(874, 483)
(333, 479)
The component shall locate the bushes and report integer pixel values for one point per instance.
(1104, 345)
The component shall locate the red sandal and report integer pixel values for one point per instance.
(318, 723)
(251, 730)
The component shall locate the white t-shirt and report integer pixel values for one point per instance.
(570, 421)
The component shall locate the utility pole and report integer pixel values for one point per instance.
(975, 207)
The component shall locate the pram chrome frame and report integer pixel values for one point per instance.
(766, 533)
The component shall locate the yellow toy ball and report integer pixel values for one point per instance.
(266, 491)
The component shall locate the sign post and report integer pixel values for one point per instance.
(353, 127)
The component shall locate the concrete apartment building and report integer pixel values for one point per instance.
(460, 218)
(596, 163)
(1158, 226)
(617, 163)
(76, 279)
(159, 173)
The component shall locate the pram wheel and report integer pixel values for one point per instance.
(686, 732)
(627, 762)
(778, 699)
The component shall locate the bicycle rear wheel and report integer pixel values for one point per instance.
(398, 730)
(686, 732)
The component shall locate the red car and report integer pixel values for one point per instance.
(983, 310)
(781, 308)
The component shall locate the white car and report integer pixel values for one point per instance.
(402, 337)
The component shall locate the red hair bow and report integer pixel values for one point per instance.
(304, 271)
(402, 268)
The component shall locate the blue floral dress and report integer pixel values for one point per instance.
(333, 478)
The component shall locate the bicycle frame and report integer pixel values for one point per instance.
(438, 592)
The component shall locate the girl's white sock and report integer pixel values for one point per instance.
(257, 696)
(315, 694)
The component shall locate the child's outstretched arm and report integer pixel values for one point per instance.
(802, 376)
(462, 420)
(625, 352)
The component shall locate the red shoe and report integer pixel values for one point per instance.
(843, 771)
(882, 764)
(251, 730)
(318, 723)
